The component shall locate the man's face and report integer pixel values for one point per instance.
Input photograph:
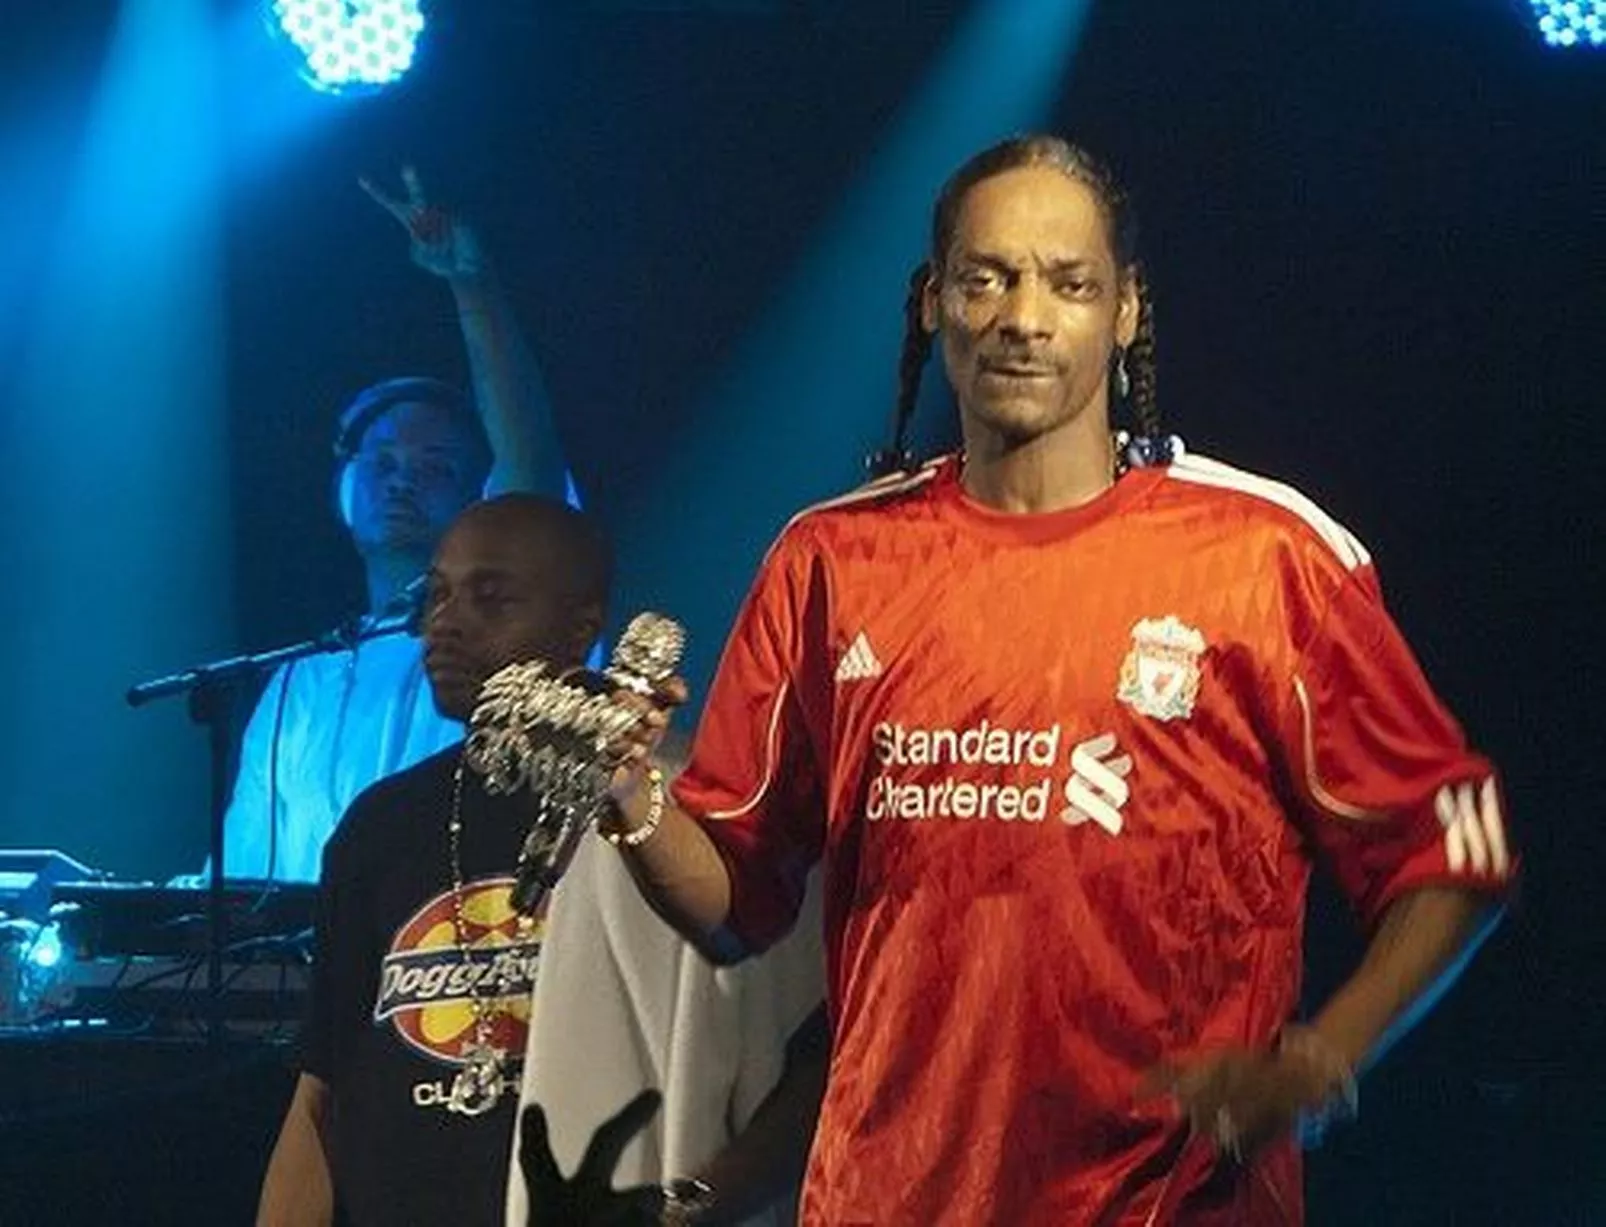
(492, 602)
(410, 479)
(1030, 304)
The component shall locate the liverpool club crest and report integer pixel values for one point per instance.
(1160, 676)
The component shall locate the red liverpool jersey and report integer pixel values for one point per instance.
(1067, 774)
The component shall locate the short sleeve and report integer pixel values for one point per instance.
(754, 780)
(1396, 799)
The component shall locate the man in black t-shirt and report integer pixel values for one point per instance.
(421, 962)
(403, 1112)
(421, 1002)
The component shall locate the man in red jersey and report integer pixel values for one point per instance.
(1069, 719)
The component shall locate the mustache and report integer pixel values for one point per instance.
(1017, 362)
(445, 660)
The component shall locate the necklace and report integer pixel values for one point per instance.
(1122, 448)
(1120, 457)
(478, 1086)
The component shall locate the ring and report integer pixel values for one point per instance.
(632, 682)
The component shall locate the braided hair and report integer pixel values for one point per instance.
(911, 362)
(1121, 224)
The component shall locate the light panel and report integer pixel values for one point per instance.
(351, 45)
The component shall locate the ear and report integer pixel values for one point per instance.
(931, 301)
(1128, 308)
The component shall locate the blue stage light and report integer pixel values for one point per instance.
(45, 951)
(34, 973)
(1571, 23)
(351, 45)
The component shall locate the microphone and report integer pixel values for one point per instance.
(556, 736)
(402, 614)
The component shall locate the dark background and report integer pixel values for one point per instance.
(1374, 233)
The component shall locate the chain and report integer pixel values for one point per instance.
(478, 1086)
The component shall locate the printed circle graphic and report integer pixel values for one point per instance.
(426, 992)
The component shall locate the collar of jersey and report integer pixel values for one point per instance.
(1035, 527)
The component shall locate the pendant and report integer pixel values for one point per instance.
(478, 1085)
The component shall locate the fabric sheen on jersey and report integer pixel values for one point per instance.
(1067, 773)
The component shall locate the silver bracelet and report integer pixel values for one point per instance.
(686, 1200)
(656, 800)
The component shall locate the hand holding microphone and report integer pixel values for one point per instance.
(567, 738)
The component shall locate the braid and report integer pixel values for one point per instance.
(911, 363)
(1140, 367)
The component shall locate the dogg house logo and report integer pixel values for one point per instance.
(1160, 676)
(426, 982)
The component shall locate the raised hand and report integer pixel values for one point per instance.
(588, 1199)
(442, 243)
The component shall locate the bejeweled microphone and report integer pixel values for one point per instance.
(558, 737)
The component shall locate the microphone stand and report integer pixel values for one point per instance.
(207, 688)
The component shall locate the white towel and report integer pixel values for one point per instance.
(622, 1003)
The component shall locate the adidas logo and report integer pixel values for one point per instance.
(1474, 835)
(859, 662)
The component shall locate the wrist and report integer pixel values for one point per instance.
(1330, 1092)
(638, 808)
(687, 1200)
(475, 290)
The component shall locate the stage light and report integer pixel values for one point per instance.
(35, 976)
(1571, 23)
(45, 950)
(128, 292)
(351, 46)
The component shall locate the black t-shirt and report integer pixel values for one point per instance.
(392, 1008)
